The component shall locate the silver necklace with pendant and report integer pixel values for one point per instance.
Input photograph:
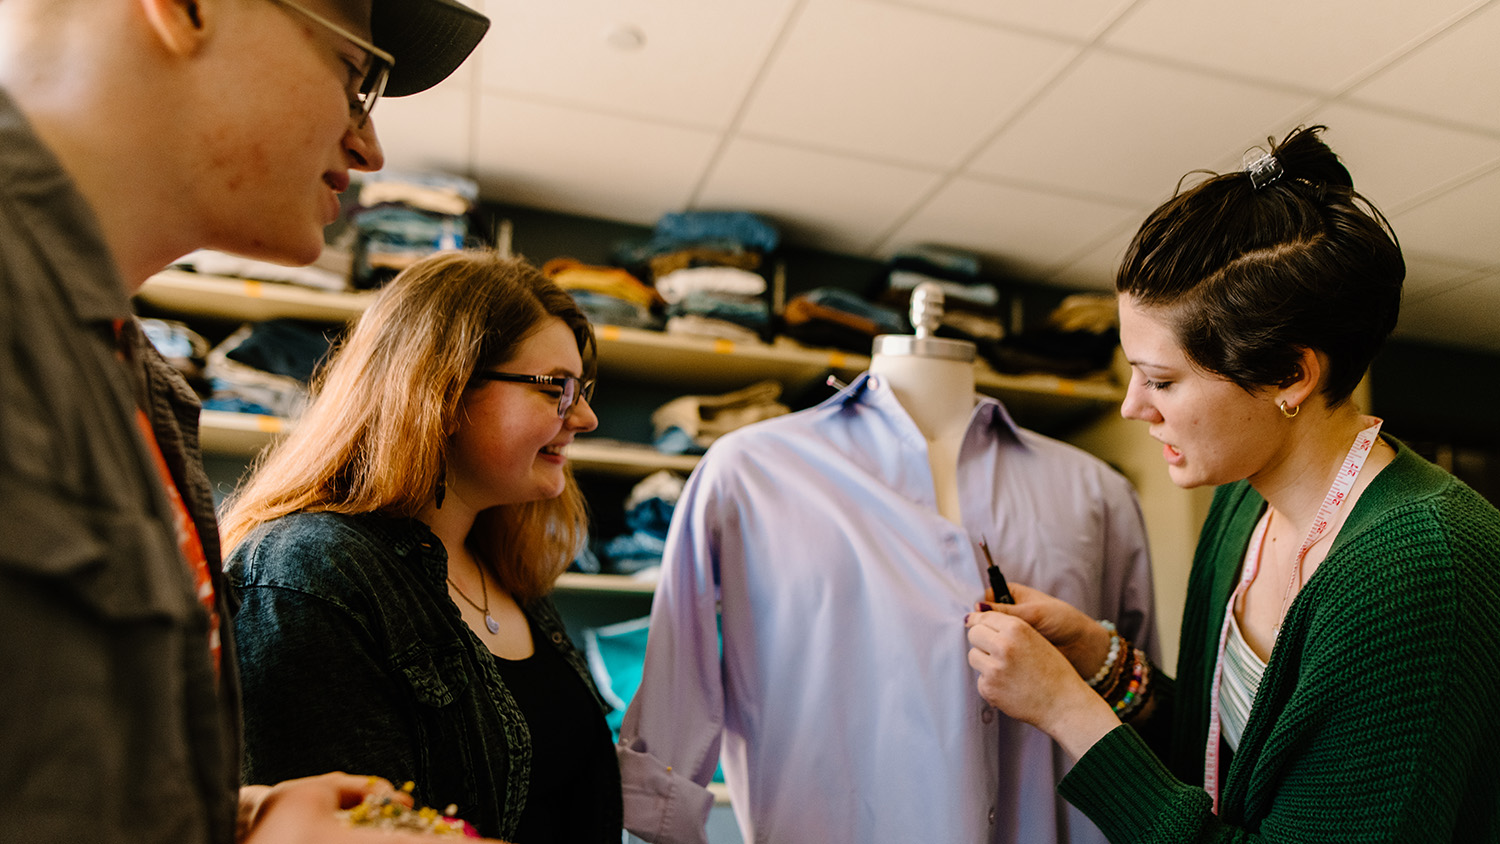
(489, 621)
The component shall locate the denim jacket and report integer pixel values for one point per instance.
(353, 657)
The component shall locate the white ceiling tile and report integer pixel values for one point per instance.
(1128, 128)
(1096, 269)
(1462, 316)
(1455, 76)
(588, 164)
(895, 83)
(428, 131)
(1027, 232)
(1395, 160)
(837, 202)
(693, 65)
(1077, 19)
(1324, 45)
(1460, 225)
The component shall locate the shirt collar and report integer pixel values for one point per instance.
(990, 414)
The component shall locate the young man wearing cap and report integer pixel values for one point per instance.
(131, 133)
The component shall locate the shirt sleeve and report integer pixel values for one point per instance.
(671, 734)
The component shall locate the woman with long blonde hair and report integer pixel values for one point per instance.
(394, 554)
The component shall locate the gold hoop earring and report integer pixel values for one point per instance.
(1293, 413)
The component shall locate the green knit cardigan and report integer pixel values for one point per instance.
(1378, 718)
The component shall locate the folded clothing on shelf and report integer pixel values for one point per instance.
(648, 515)
(265, 367)
(607, 295)
(402, 217)
(1078, 340)
(330, 272)
(832, 316)
(690, 424)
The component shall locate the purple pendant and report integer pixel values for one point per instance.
(491, 623)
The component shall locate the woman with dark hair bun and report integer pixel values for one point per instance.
(1341, 640)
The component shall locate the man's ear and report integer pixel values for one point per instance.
(180, 25)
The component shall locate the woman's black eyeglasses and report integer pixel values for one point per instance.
(571, 387)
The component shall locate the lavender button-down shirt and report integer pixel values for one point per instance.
(842, 697)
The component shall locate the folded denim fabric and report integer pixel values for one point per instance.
(648, 508)
(978, 293)
(688, 228)
(939, 261)
(751, 312)
(886, 320)
(674, 440)
(603, 309)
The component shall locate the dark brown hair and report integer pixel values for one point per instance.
(1250, 274)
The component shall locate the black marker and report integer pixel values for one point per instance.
(997, 580)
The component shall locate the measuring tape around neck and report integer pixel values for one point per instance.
(1364, 443)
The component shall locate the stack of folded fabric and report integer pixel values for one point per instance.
(690, 424)
(971, 303)
(648, 515)
(1078, 340)
(706, 265)
(840, 319)
(608, 295)
(265, 367)
(401, 217)
(329, 272)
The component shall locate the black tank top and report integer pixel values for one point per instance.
(574, 794)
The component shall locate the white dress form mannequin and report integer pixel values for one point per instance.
(933, 378)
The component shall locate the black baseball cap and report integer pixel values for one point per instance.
(428, 38)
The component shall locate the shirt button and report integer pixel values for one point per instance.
(992, 816)
(987, 715)
(557, 638)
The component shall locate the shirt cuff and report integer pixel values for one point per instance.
(661, 805)
(1127, 792)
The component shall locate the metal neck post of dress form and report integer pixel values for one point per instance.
(926, 313)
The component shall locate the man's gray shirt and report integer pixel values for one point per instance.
(114, 725)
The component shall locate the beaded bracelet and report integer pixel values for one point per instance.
(1135, 696)
(1119, 674)
(1109, 661)
(1129, 698)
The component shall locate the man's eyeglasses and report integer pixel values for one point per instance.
(366, 83)
(571, 387)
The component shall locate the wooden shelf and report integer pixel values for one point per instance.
(245, 434)
(247, 300)
(689, 364)
(611, 584)
(238, 434)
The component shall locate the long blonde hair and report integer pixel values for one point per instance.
(374, 437)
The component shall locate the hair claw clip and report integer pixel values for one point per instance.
(1262, 167)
